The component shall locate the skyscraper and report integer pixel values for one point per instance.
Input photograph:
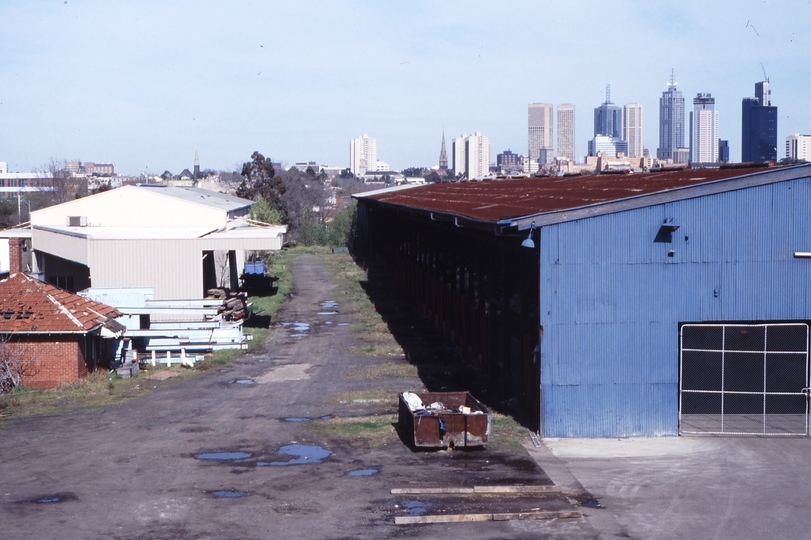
(632, 129)
(671, 120)
(608, 118)
(566, 131)
(798, 147)
(443, 155)
(759, 126)
(471, 156)
(704, 130)
(362, 155)
(539, 120)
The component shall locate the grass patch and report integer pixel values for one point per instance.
(278, 267)
(367, 430)
(364, 396)
(398, 370)
(506, 434)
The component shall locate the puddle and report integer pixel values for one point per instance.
(228, 494)
(328, 322)
(298, 335)
(362, 472)
(297, 419)
(244, 381)
(224, 456)
(591, 503)
(306, 454)
(327, 313)
(326, 417)
(329, 304)
(53, 498)
(224, 370)
(343, 324)
(415, 508)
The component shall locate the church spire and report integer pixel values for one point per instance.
(196, 165)
(443, 155)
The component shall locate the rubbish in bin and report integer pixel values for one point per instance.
(452, 419)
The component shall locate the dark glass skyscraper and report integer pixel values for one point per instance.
(608, 118)
(759, 126)
(671, 120)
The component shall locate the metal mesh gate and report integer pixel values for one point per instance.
(744, 379)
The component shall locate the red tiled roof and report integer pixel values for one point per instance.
(29, 305)
(500, 199)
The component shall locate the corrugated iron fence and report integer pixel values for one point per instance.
(744, 379)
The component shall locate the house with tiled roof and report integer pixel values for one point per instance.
(54, 335)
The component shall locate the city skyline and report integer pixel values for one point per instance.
(230, 79)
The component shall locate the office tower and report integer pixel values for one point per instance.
(759, 126)
(362, 155)
(539, 121)
(704, 130)
(566, 139)
(443, 155)
(798, 147)
(608, 118)
(509, 162)
(671, 120)
(608, 146)
(632, 129)
(723, 151)
(471, 156)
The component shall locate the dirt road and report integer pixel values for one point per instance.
(255, 451)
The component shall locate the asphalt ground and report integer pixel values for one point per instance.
(276, 445)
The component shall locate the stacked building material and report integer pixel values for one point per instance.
(234, 306)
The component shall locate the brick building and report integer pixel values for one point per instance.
(56, 336)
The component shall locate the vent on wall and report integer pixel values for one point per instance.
(77, 221)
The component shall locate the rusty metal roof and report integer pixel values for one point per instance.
(28, 305)
(498, 200)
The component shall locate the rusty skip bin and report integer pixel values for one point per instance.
(444, 419)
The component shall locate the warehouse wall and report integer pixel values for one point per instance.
(612, 296)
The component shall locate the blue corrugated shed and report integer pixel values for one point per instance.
(612, 299)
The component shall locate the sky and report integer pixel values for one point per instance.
(144, 84)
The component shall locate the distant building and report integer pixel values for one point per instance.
(304, 165)
(759, 126)
(681, 155)
(382, 166)
(566, 140)
(632, 129)
(471, 156)
(509, 162)
(196, 165)
(89, 168)
(610, 146)
(798, 147)
(704, 130)
(608, 117)
(539, 132)
(443, 155)
(362, 155)
(723, 151)
(671, 121)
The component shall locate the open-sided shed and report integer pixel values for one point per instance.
(646, 304)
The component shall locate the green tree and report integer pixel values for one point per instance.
(260, 181)
(261, 211)
(310, 230)
(341, 230)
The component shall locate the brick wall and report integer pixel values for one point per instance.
(51, 359)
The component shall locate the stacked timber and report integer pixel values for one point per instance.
(234, 305)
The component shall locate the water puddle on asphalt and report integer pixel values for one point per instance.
(244, 381)
(53, 498)
(329, 304)
(228, 494)
(223, 456)
(415, 508)
(362, 472)
(49, 500)
(327, 313)
(326, 417)
(343, 324)
(297, 419)
(305, 453)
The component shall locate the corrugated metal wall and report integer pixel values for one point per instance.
(612, 299)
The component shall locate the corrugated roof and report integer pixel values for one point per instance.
(222, 201)
(498, 200)
(29, 305)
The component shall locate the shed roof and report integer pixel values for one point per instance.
(28, 305)
(222, 201)
(507, 201)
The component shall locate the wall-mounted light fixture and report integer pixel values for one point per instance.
(529, 242)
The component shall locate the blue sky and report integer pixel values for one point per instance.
(143, 84)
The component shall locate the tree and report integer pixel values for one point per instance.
(261, 211)
(260, 181)
(341, 230)
(65, 185)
